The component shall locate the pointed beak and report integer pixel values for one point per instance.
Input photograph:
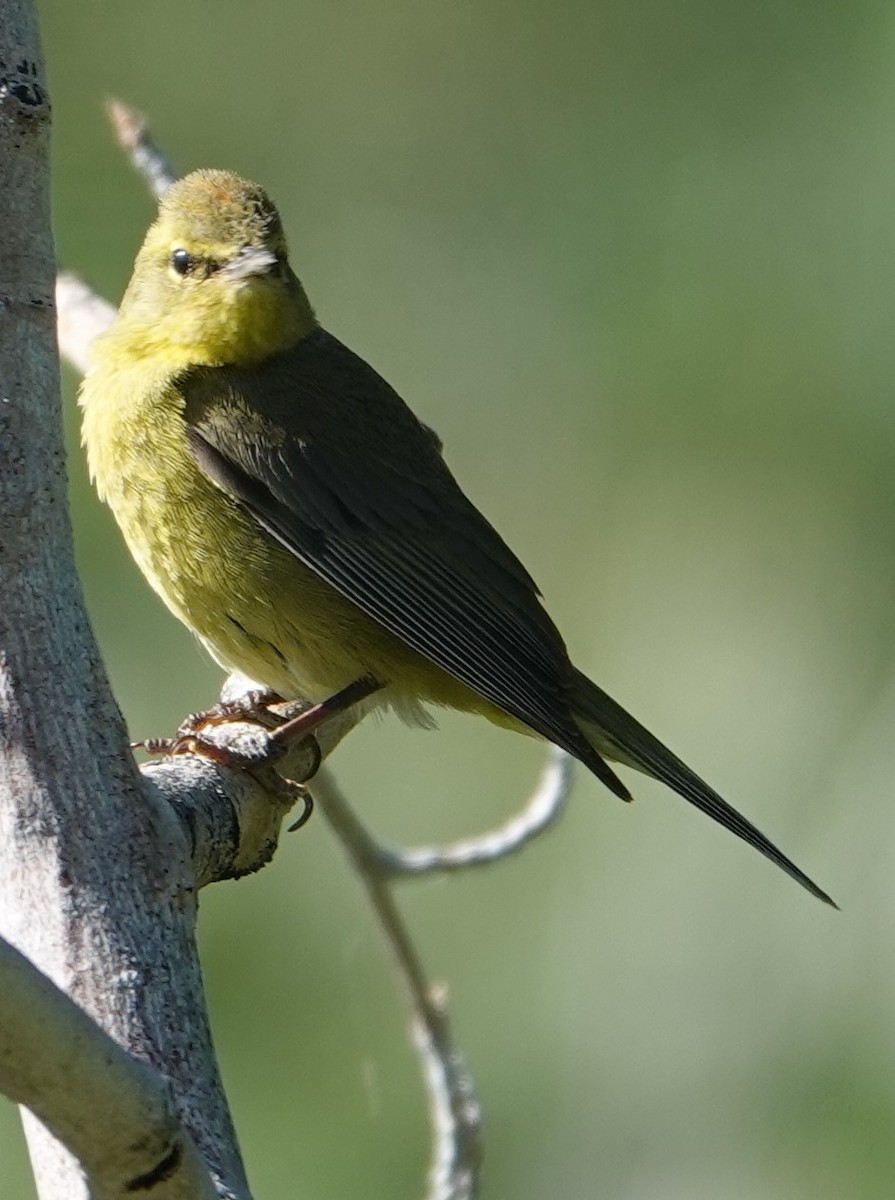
(249, 262)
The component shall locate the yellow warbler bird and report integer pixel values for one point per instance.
(293, 512)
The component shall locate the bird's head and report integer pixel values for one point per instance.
(212, 282)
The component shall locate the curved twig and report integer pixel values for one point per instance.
(542, 810)
(454, 1111)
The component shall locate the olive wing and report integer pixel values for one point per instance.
(330, 461)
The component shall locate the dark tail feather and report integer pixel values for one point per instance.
(617, 736)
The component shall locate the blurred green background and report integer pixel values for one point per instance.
(635, 264)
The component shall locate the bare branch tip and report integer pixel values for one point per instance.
(438, 997)
(131, 129)
(128, 123)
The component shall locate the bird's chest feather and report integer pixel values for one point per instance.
(253, 604)
(171, 515)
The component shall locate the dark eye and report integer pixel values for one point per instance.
(182, 262)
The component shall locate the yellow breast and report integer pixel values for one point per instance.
(255, 606)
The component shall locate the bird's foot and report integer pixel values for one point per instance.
(273, 735)
(247, 746)
(254, 708)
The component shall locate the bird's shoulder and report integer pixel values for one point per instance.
(317, 393)
(336, 444)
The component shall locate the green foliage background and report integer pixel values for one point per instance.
(635, 263)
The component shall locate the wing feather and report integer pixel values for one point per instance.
(354, 485)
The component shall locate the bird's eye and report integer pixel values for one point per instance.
(182, 262)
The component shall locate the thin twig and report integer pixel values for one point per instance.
(544, 808)
(133, 136)
(454, 1110)
(81, 316)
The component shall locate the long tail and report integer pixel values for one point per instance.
(615, 734)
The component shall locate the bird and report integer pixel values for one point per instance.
(292, 511)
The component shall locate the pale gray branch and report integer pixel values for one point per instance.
(81, 316)
(454, 1111)
(113, 1113)
(233, 817)
(132, 132)
(96, 886)
(543, 809)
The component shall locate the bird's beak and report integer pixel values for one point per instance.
(249, 262)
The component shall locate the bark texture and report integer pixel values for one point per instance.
(96, 885)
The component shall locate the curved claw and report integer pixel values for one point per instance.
(308, 801)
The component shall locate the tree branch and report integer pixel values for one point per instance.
(454, 1112)
(96, 887)
(81, 317)
(58, 1062)
(133, 136)
(543, 809)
